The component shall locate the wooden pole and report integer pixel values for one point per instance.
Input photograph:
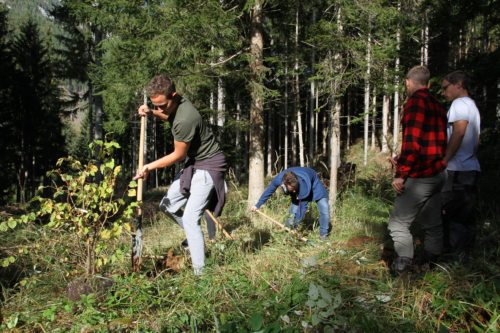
(137, 235)
(216, 221)
(281, 225)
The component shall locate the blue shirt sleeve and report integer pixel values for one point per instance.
(271, 188)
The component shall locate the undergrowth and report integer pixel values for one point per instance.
(265, 280)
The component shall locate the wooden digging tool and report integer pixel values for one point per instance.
(216, 221)
(137, 234)
(282, 226)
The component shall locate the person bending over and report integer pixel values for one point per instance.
(303, 186)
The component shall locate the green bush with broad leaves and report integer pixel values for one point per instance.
(84, 202)
(322, 306)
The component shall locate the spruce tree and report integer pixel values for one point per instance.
(7, 110)
(36, 124)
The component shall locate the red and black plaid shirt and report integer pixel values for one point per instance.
(424, 137)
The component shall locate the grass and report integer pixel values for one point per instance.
(266, 280)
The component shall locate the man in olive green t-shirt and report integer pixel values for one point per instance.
(203, 171)
(188, 126)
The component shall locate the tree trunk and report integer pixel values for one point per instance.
(297, 91)
(385, 114)
(374, 118)
(350, 108)
(367, 98)
(221, 106)
(155, 150)
(334, 153)
(334, 125)
(395, 127)
(96, 99)
(316, 122)
(213, 114)
(286, 134)
(237, 167)
(293, 150)
(312, 113)
(269, 146)
(256, 162)
(98, 116)
(424, 35)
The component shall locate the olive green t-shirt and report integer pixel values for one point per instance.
(188, 126)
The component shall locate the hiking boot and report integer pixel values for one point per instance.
(401, 265)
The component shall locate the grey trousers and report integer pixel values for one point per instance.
(172, 203)
(420, 200)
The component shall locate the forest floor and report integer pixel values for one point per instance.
(265, 280)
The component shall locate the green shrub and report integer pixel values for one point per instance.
(85, 204)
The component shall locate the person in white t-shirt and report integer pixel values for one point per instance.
(459, 192)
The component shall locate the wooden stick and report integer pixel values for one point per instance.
(218, 224)
(281, 225)
(142, 139)
(137, 234)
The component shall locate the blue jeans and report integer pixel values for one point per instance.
(324, 216)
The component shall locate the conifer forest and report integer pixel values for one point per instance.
(318, 84)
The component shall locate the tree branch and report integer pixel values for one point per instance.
(214, 64)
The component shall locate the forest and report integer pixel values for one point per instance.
(315, 84)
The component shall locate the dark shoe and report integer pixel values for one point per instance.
(426, 258)
(185, 243)
(323, 238)
(456, 257)
(425, 262)
(401, 265)
(387, 256)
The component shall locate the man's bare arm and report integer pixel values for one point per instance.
(456, 138)
(179, 154)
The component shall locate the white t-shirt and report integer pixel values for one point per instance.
(465, 158)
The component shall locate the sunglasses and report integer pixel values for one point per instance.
(162, 106)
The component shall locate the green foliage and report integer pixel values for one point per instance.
(84, 203)
(280, 286)
(322, 305)
(258, 282)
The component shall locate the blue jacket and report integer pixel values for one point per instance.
(310, 189)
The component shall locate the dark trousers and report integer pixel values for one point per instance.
(458, 200)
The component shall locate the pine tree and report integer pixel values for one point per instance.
(36, 122)
(7, 110)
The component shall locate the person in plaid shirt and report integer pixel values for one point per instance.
(419, 172)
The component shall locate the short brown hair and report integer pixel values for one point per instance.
(419, 74)
(160, 85)
(290, 179)
(459, 77)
